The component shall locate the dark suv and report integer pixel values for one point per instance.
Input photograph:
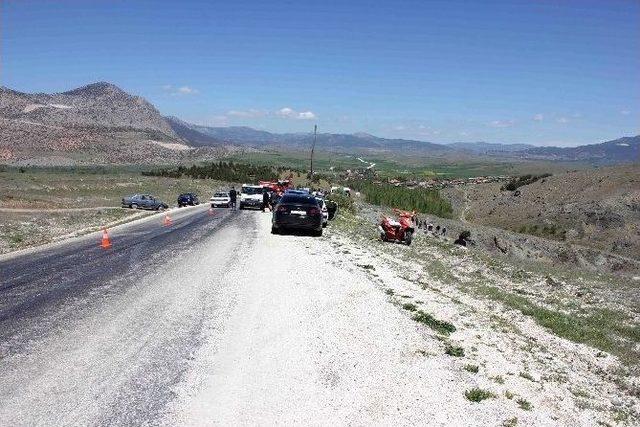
(188, 199)
(297, 211)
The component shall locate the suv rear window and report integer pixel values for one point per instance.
(298, 198)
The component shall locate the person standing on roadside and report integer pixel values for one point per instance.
(233, 195)
(266, 199)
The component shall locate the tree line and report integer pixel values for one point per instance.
(221, 171)
(409, 199)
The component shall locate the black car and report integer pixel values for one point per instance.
(297, 212)
(187, 199)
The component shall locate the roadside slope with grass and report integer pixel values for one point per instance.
(554, 344)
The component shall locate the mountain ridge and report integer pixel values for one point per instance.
(100, 116)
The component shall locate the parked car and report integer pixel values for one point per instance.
(220, 200)
(143, 201)
(324, 210)
(251, 196)
(188, 199)
(299, 212)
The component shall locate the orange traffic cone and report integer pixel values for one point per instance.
(106, 242)
(167, 221)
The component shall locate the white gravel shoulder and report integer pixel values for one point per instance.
(317, 342)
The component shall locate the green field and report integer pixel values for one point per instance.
(399, 166)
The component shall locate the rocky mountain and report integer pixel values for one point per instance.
(96, 105)
(97, 123)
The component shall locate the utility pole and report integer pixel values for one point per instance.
(313, 147)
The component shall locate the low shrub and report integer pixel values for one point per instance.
(440, 326)
(520, 181)
(478, 395)
(454, 350)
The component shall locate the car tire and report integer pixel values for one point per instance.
(317, 233)
(160, 208)
(274, 230)
(133, 206)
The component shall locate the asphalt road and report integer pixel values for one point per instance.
(140, 299)
(215, 321)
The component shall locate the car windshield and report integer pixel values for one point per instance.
(252, 190)
(298, 199)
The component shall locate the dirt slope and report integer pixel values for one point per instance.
(599, 208)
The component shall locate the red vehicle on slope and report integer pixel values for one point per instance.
(401, 230)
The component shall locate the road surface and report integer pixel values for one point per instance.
(214, 321)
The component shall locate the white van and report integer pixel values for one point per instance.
(251, 196)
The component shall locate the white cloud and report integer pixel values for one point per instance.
(563, 120)
(501, 123)
(538, 117)
(290, 113)
(306, 115)
(625, 112)
(186, 90)
(182, 90)
(247, 114)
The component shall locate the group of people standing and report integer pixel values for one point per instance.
(269, 198)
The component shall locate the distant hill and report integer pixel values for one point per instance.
(489, 148)
(190, 134)
(622, 150)
(336, 142)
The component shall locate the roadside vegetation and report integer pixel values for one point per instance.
(601, 328)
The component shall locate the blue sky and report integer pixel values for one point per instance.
(541, 72)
